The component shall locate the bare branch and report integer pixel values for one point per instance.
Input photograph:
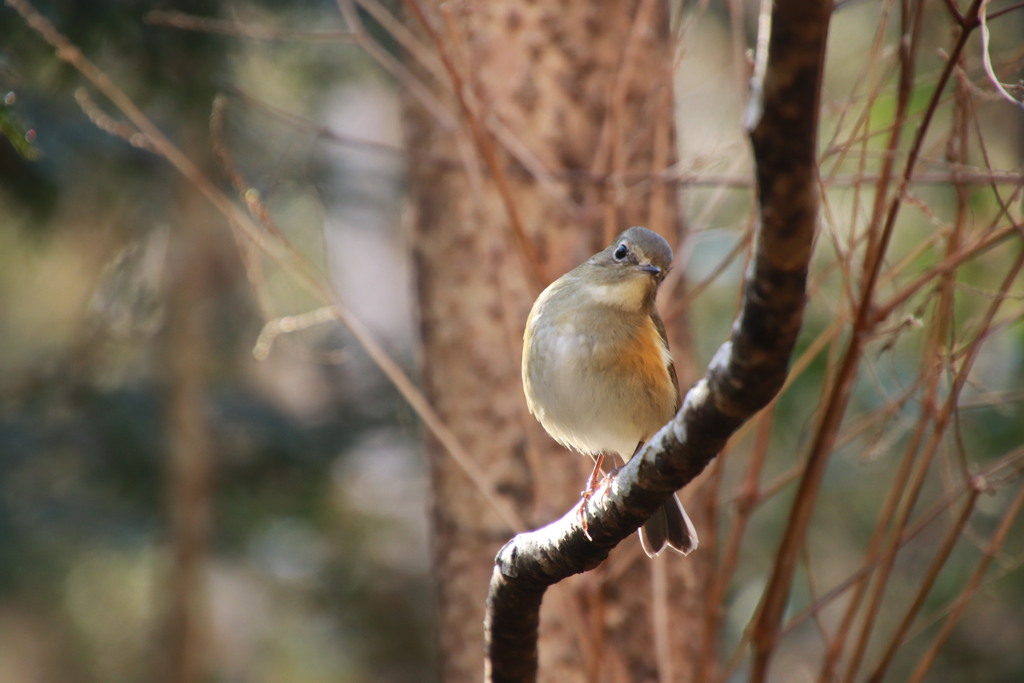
(964, 599)
(191, 22)
(884, 215)
(485, 145)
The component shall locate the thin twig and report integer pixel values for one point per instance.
(1001, 473)
(766, 624)
(964, 599)
(745, 503)
(485, 146)
(191, 22)
(936, 566)
(940, 422)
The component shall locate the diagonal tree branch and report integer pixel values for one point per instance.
(745, 374)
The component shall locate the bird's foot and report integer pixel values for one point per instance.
(588, 492)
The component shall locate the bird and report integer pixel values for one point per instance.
(597, 371)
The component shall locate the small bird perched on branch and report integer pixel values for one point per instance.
(597, 370)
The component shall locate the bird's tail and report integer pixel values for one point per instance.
(668, 526)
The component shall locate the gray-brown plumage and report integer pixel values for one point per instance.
(597, 370)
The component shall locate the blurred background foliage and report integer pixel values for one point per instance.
(317, 566)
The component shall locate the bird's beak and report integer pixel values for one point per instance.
(650, 268)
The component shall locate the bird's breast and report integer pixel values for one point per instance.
(596, 378)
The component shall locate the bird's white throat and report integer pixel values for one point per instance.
(629, 294)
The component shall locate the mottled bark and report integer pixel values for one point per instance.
(566, 110)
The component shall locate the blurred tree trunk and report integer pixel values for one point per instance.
(583, 92)
(189, 466)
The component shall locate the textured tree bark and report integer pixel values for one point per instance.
(564, 111)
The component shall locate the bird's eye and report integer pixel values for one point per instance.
(620, 252)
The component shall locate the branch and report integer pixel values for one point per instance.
(744, 376)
